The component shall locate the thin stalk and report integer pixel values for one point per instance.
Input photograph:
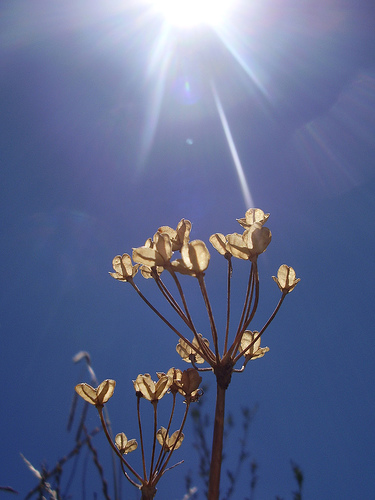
(100, 410)
(173, 466)
(228, 305)
(166, 321)
(127, 475)
(217, 445)
(210, 315)
(182, 295)
(90, 369)
(248, 308)
(170, 299)
(161, 455)
(155, 405)
(262, 330)
(245, 305)
(201, 344)
(163, 469)
(256, 299)
(237, 340)
(141, 438)
(114, 468)
(197, 367)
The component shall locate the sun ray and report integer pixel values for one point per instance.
(228, 39)
(233, 150)
(160, 59)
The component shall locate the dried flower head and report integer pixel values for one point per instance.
(124, 269)
(156, 252)
(255, 351)
(179, 236)
(253, 215)
(147, 388)
(124, 445)
(186, 352)
(251, 243)
(286, 278)
(189, 383)
(167, 442)
(174, 374)
(195, 258)
(98, 396)
(220, 243)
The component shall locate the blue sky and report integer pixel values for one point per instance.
(110, 129)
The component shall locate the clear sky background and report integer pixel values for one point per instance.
(111, 126)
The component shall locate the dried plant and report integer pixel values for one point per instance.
(152, 259)
(175, 382)
(221, 353)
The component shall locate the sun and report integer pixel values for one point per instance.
(190, 13)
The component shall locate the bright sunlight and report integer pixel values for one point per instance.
(190, 13)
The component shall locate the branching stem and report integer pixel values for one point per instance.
(210, 315)
(100, 410)
(262, 330)
(162, 452)
(228, 304)
(165, 320)
(164, 468)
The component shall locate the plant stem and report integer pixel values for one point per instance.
(165, 320)
(250, 285)
(262, 330)
(217, 445)
(148, 492)
(169, 297)
(228, 305)
(109, 439)
(210, 315)
(163, 469)
(155, 405)
(162, 453)
(141, 438)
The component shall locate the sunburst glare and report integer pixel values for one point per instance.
(179, 18)
(186, 14)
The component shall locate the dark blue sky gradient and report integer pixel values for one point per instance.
(103, 139)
